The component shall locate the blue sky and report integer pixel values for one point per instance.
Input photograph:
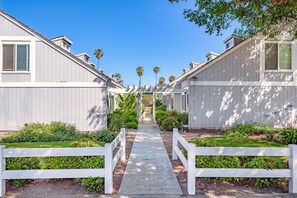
(131, 33)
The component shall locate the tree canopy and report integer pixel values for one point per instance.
(253, 15)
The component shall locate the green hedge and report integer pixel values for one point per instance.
(170, 119)
(38, 132)
(241, 162)
(118, 120)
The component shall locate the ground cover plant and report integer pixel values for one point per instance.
(57, 135)
(241, 162)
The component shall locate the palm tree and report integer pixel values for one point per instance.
(156, 70)
(161, 81)
(171, 78)
(99, 54)
(139, 71)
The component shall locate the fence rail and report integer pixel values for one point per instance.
(193, 172)
(110, 162)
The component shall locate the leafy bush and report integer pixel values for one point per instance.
(85, 142)
(183, 118)
(245, 130)
(238, 162)
(266, 163)
(116, 122)
(93, 183)
(130, 118)
(29, 163)
(288, 136)
(105, 136)
(160, 116)
(132, 125)
(37, 132)
(161, 108)
(170, 123)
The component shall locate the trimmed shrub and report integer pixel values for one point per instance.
(28, 163)
(105, 135)
(288, 136)
(37, 132)
(132, 125)
(240, 162)
(170, 123)
(130, 118)
(116, 122)
(266, 163)
(160, 116)
(93, 183)
(85, 142)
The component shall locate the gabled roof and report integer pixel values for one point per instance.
(50, 43)
(219, 57)
(185, 75)
(62, 37)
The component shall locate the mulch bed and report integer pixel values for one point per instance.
(213, 187)
(68, 187)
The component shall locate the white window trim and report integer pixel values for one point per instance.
(278, 59)
(20, 40)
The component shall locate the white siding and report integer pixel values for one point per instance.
(10, 29)
(72, 105)
(223, 106)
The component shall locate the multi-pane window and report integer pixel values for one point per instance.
(16, 57)
(278, 56)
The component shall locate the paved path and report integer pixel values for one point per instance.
(149, 170)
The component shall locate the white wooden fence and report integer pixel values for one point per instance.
(193, 172)
(110, 162)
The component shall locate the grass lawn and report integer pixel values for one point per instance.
(234, 142)
(42, 144)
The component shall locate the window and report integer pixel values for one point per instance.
(16, 57)
(184, 100)
(208, 58)
(278, 56)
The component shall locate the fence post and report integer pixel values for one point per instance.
(2, 168)
(191, 170)
(108, 184)
(174, 144)
(293, 168)
(123, 144)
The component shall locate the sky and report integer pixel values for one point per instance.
(131, 33)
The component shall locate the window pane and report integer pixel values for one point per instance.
(285, 56)
(8, 57)
(271, 59)
(22, 57)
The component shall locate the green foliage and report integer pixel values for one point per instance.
(86, 142)
(161, 108)
(130, 118)
(105, 135)
(245, 130)
(37, 132)
(132, 125)
(127, 102)
(233, 142)
(29, 163)
(160, 116)
(183, 118)
(240, 162)
(93, 183)
(169, 123)
(288, 136)
(116, 121)
(218, 15)
(266, 163)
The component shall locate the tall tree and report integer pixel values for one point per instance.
(161, 81)
(253, 15)
(99, 54)
(171, 78)
(118, 78)
(156, 71)
(139, 71)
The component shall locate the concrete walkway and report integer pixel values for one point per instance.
(149, 171)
